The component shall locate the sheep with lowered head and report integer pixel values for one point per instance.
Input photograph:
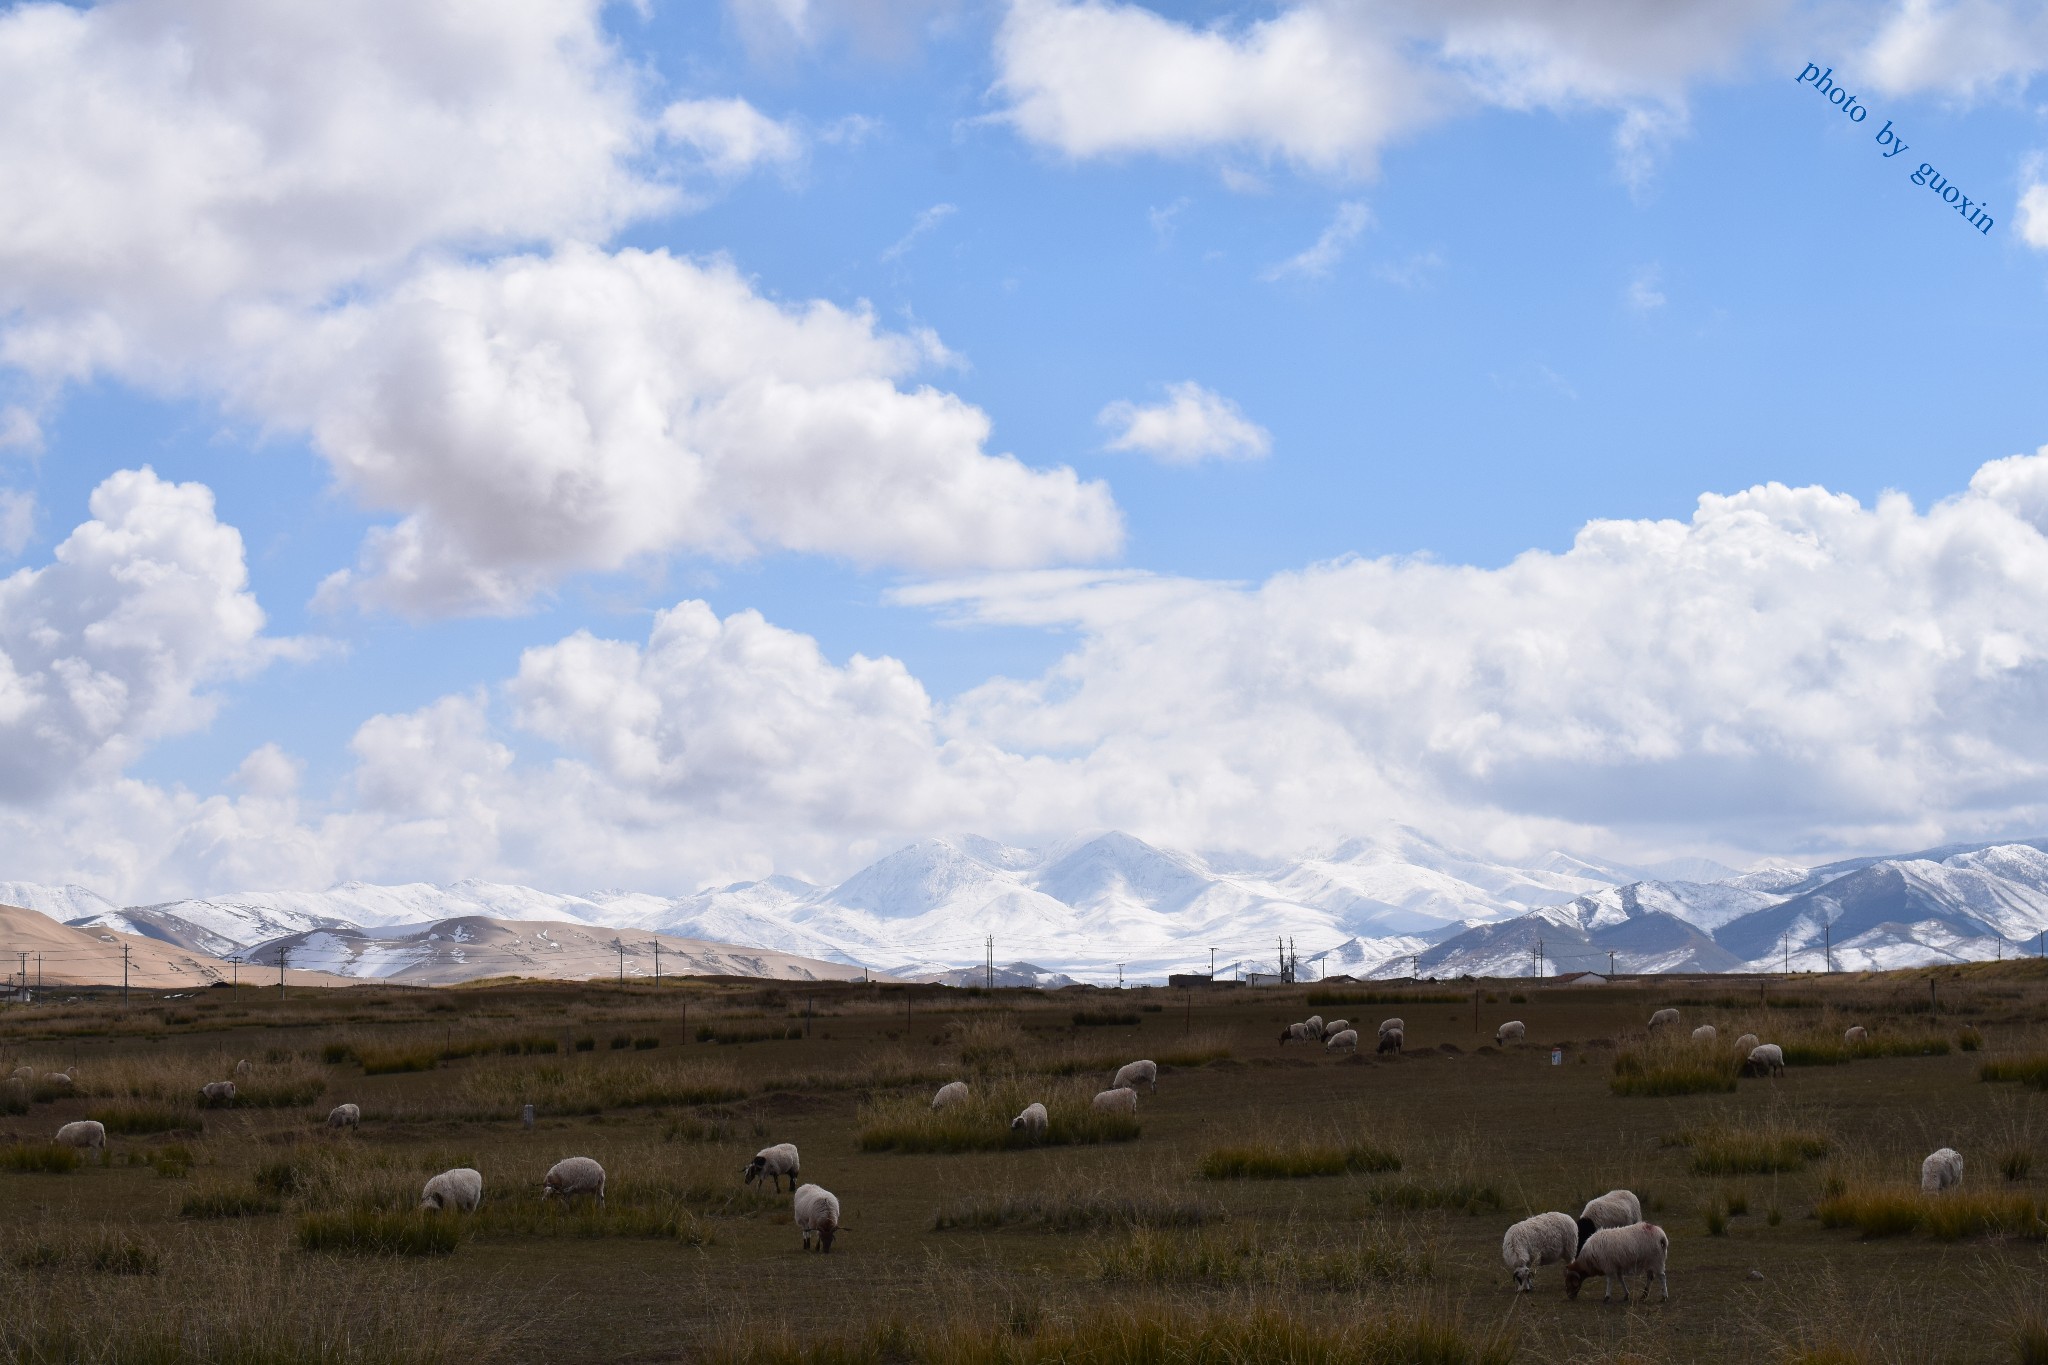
(817, 1215)
(1513, 1031)
(1704, 1034)
(245, 1067)
(1392, 1025)
(57, 1080)
(1314, 1025)
(461, 1189)
(1617, 1253)
(1032, 1122)
(950, 1094)
(1943, 1170)
(1335, 1027)
(1614, 1209)
(1745, 1044)
(1663, 1017)
(215, 1093)
(773, 1163)
(1122, 1100)
(1543, 1240)
(1855, 1034)
(1392, 1040)
(571, 1176)
(1131, 1073)
(1296, 1033)
(83, 1133)
(1765, 1059)
(1347, 1041)
(345, 1116)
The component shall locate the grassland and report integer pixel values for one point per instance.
(1268, 1206)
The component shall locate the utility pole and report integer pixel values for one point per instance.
(1188, 1024)
(124, 974)
(1610, 964)
(991, 961)
(622, 960)
(1119, 976)
(1212, 964)
(23, 955)
(1827, 945)
(657, 966)
(39, 971)
(280, 970)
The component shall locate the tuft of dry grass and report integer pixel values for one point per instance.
(908, 1123)
(1670, 1064)
(1278, 1161)
(1241, 1257)
(1756, 1148)
(1879, 1211)
(41, 1158)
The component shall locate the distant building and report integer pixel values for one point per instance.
(1262, 979)
(1182, 981)
(1576, 979)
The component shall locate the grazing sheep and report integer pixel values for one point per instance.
(1132, 1072)
(1704, 1034)
(1746, 1044)
(1614, 1209)
(1335, 1027)
(1032, 1121)
(572, 1176)
(1120, 1101)
(217, 1093)
(1314, 1025)
(245, 1068)
(1392, 1025)
(817, 1215)
(773, 1163)
(25, 1074)
(1663, 1017)
(461, 1189)
(83, 1133)
(57, 1080)
(951, 1093)
(1347, 1041)
(1294, 1033)
(345, 1116)
(1513, 1031)
(1546, 1238)
(1856, 1034)
(1392, 1040)
(1765, 1059)
(1617, 1253)
(1943, 1170)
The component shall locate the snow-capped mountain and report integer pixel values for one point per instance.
(1386, 905)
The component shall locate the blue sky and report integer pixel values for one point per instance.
(1520, 322)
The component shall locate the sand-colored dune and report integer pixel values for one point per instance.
(58, 955)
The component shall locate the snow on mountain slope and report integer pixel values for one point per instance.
(63, 903)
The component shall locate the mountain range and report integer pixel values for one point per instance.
(1106, 906)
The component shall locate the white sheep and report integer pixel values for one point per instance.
(1663, 1017)
(1131, 1073)
(1704, 1034)
(572, 1176)
(1347, 1041)
(817, 1215)
(245, 1068)
(1392, 1026)
(461, 1189)
(57, 1080)
(1314, 1025)
(773, 1163)
(1335, 1027)
(1943, 1170)
(1542, 1240)
(1032, 1121)
(1765, 1059)
(1513, 1031)
(1123, 1100)
(1746, 1044)
(83, 1133)
(951, 1093)
(1614, 1209)
(1617, 1253)
(1392, 1040)
(1856, 1034)
(217, 1093)
(25, 1074)
(345, 1116)
(1297, 1033)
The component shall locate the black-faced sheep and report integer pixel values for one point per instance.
(1765, 1059)
(461, 1189)
(572, 1176)
(773, 1163)
(1614, 1209)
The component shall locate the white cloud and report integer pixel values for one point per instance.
(730, 136)
(1645, 294)
(1192, 425)
(535, 417)
(2034, 216)
(1321, 257)
(1412, 273)
(106, 649)
(168, 162)
(1326, 85)
(269, 771)
(1964, 48)
(17, 520)
(924, 223)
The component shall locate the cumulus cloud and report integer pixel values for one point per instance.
(2034, 216)
(730, 136)
(1964, 48)
(109, 647)
(1322, 255)
(536, 416)
(1192, 425)
(1325, 85)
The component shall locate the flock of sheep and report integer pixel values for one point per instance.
(1609, 1237)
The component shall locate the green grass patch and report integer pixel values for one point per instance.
(1274, 1161)
(1764, 1149)
(227, 1203)
(1674, 1066)
(40, 1158)
(2031, 1069)
(361, 1232)
(144, 1118)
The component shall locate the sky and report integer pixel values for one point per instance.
(659, 445)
